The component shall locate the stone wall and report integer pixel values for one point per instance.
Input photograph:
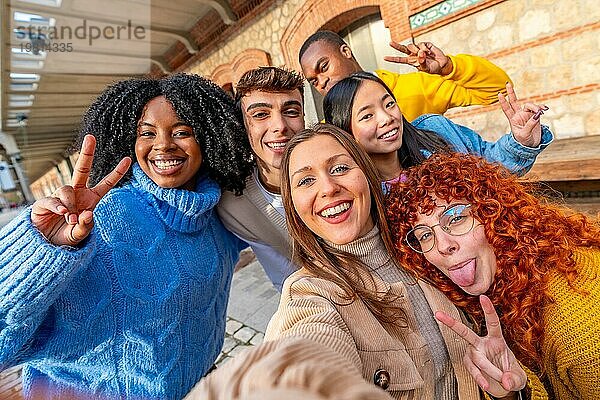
(263, 33)
(550, 48)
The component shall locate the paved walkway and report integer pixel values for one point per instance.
(7, 216)
(252, 302)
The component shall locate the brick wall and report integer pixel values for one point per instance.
(551, 51)
(230, 73)
(346, 18)
(550, 48)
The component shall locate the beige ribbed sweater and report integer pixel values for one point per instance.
(310, 308)
(425, 322)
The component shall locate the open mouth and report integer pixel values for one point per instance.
(167, 165)
(463, 274)
(388, 135)
(335, 211)
(278, 146)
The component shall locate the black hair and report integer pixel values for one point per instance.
(326, 36)
(337, 107)
(114, 115)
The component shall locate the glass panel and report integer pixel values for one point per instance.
(360, 41)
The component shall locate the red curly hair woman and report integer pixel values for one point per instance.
(472, 228)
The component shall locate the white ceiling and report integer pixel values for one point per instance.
(53, 88)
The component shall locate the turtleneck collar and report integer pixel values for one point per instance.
(369, 248)
(182, 210)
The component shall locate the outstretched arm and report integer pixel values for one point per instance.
(445, 81)
(305, 312)
(291, 368)
(516, 150)
(488, 359)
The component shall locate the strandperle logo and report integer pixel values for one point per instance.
(44, 35)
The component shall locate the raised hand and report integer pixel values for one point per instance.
(524, 119)
(66, 218)
(424, 56)
(488, 359)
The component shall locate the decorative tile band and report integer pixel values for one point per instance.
(438, 11)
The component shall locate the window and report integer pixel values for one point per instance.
(369, 40)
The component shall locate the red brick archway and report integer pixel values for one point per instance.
(248, 59)
(335, 15)
(222, 75)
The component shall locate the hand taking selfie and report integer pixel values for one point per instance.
(488, 359)
(66, 217)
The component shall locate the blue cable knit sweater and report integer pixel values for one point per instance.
(138, 312)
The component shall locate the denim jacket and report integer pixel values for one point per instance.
(507, 151)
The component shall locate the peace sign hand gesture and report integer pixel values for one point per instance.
(425, 56)
(66, 218)
(524, 120)
(488, 359)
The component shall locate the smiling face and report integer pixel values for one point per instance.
(166, 148)
(324, 64)
(329, 191)
(271, 119)
(376, 119)
(468, 260)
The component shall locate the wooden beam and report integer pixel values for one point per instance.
(223, 8)
(183, 36)
(569, 160)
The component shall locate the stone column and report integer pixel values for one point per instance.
(9, 144)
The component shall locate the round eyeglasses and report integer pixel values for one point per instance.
(456, 220)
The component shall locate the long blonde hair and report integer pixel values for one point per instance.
(319, 258)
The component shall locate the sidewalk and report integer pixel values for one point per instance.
(252, 302)
(7, 216)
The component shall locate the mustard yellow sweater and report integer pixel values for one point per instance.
(571, 347)
(473, 80)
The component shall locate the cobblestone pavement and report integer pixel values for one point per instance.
(252, 302)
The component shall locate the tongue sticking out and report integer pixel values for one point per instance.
(465, 275)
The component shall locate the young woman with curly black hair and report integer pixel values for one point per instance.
(119, 290)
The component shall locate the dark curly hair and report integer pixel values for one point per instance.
(530, 234)
(113, 119)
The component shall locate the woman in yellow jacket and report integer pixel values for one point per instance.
(471, 228)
